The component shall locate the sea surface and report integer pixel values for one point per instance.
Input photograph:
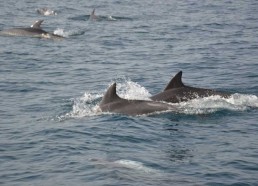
(52, 132)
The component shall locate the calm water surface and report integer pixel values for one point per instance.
(51, 132)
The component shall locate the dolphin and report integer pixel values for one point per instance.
(93, 17)
(176, 91)
(111, 102)
(32, 31)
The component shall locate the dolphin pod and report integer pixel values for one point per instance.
(176, 91)
(34, 30)
(111, 102)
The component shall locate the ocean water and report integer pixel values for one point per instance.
(51, 132)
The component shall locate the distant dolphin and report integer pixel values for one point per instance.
(176, 91)
(94, 17)
(111, 102)
(32, 31)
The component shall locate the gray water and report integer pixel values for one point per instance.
(51, 132)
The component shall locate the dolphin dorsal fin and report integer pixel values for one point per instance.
(175, 82)
(110, 95)
(92, 15)
(37, 24)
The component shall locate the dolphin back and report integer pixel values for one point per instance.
(34, 30)
(23, 32)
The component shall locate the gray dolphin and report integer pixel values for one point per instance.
(176, 91)
(32, 31)
(94, 17)
(111, 102)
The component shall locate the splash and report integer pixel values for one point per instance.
(244, 100)
(211, 104)
(60, 32)
(46, 11)
(110, 18)
(67, 34)
(132, 90)
(84, 106)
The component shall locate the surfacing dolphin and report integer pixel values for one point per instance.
(94, 17)
(32, 31)
(111, 102)
(176, 92)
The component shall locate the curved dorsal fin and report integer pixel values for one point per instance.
(175, 82)
(110, 95)
(37, 24)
